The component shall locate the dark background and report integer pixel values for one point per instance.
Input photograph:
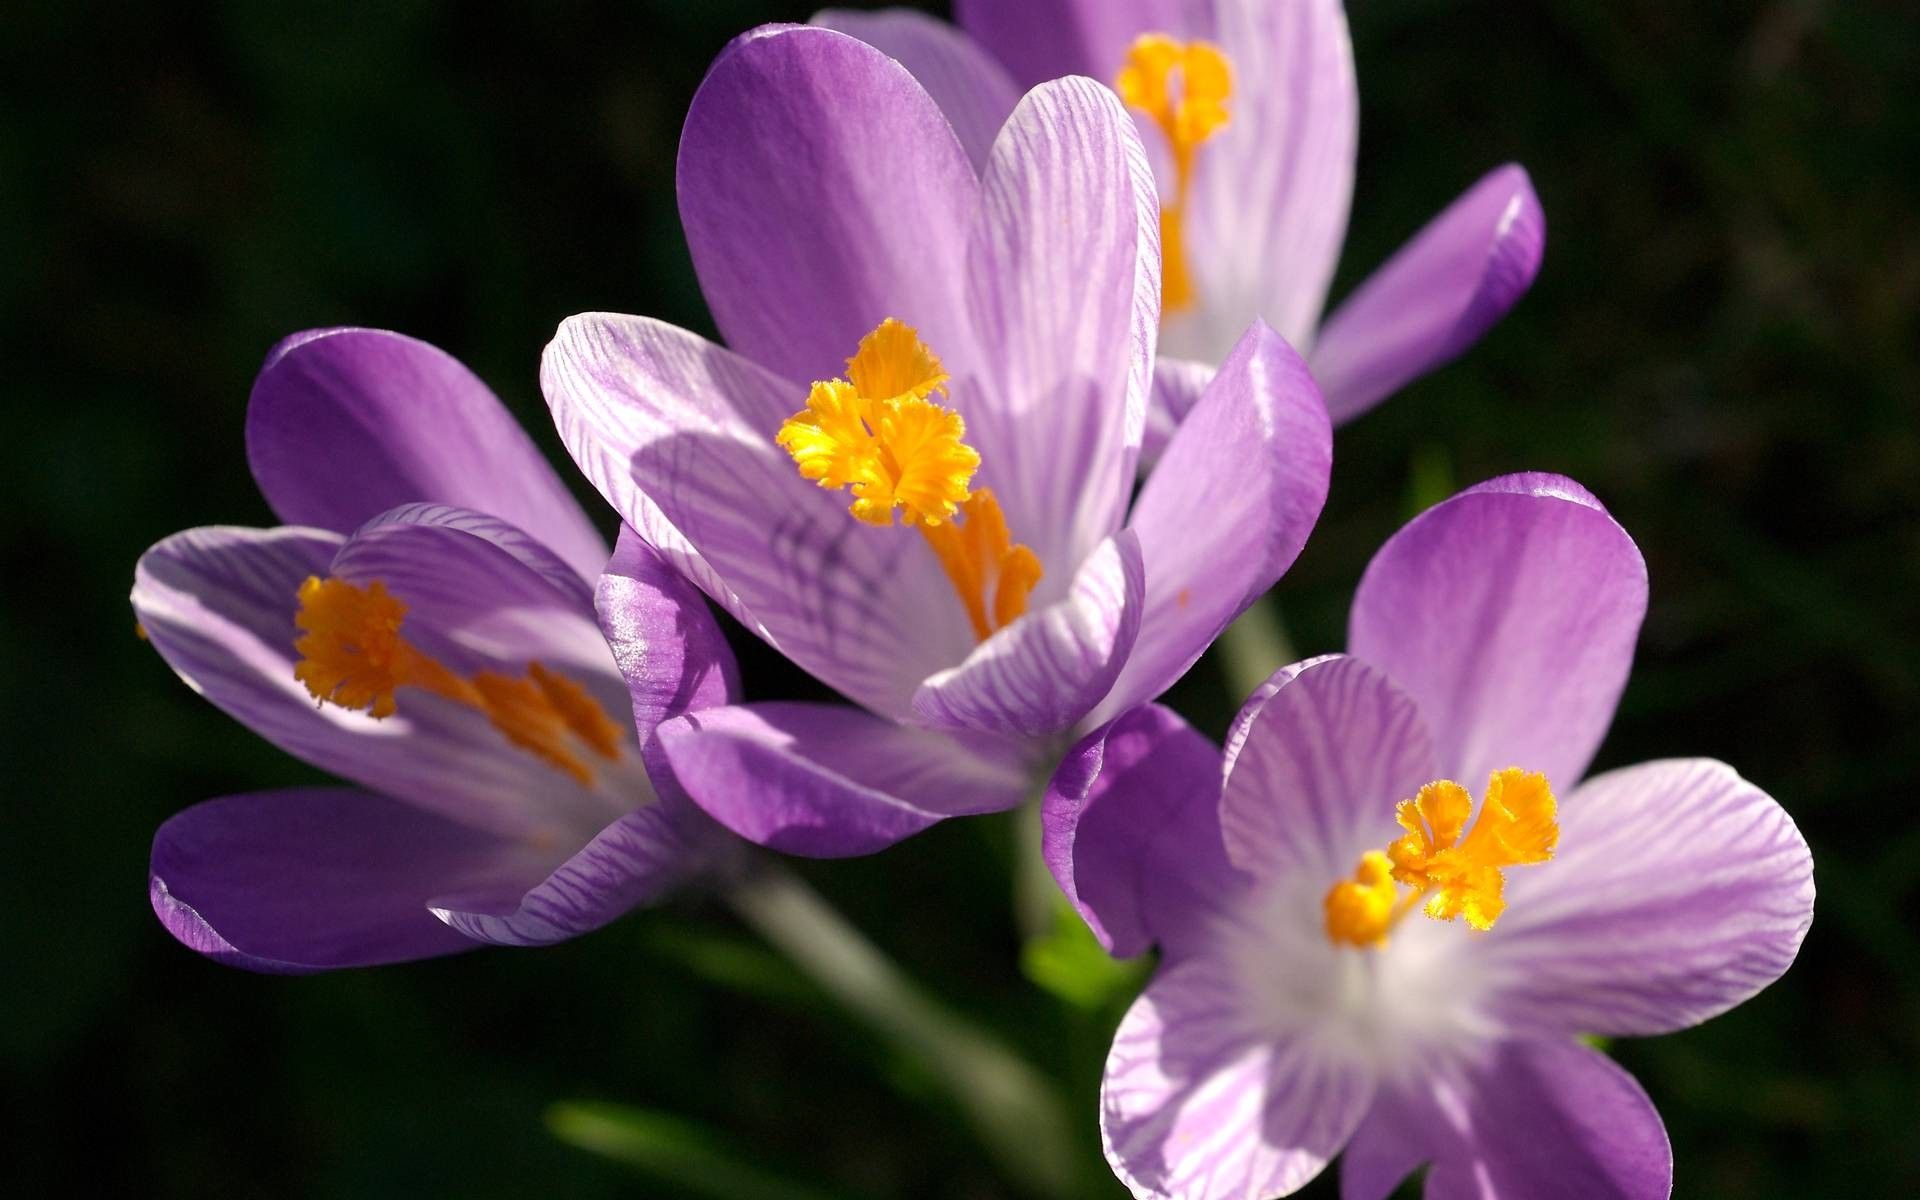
(1722, 345)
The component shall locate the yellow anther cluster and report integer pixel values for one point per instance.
(353, 655)
(877, 433)
(1183, 87)
(1454, 871)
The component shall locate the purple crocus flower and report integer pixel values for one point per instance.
(1250, 110)
(1001, 325)
(1303, 1004)
(423, 626)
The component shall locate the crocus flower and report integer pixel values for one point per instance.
(1352, 958)
(911, 472)
(423, 626)
(1250, 110)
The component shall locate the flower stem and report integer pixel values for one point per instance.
(1013, 1109)
(1254, 647)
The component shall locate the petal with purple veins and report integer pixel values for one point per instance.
(344, 424)
(1509, 614)
(1064, 267)
(822, 191)
(313, 879)
(1040, 40)
(1131, 831)
(972, 89)
(1227, 510)
(1678, 891)
(830, 781)
(1436, 296)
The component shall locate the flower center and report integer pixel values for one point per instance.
(1188, 114)
(353, 655)
(877, 434)
(1455, 871)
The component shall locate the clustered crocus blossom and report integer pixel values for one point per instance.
(1352, 958)
(912, 469)
(1251, 114)
(424, 626)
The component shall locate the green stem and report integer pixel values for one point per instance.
(1012, 1108)
(1254, 647)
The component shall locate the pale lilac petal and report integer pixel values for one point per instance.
(1271, 190)
(218, 604)
(1509, 614)
(1227, 510)
(1177, 385)
(1196, 1105)
(1064, 268)
(311, 879)
(1040, 40)
(1679, 890)
(1045, 671)
(1533, 1118)
(1436, 296)
(344, 424)
(667, 645)
(1131, 830)
(972, 89)
(678, 434)
(829, 781)
(634, 861)
(822, 191)
(1314, 767)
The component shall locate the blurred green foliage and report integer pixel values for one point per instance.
(1722, 345)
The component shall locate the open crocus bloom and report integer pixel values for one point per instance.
(444, 655)
(1354, 956)
(966, 354)
(1250, 112)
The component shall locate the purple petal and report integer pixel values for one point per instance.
(1227, 510)
(1436, 296)
(1045, 39)
(678, 433)
(1195, 1105)
(822, 191)
(1679, 891)
(347, 423)
(218, 604)
(1065, 267)
(1271, 190)
(1314, 766)
(1536, 1118)
(1509, 614)
(311, 879)
(1177, 384)
(828, 781)
(634, 861)
(667, 645)
(1044, 672)
(971, 88)
(1131, 824)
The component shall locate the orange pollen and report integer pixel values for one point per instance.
(879, 434)
(1188, 113)
(353, 655)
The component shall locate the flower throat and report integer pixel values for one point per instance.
(1187, 114)
(878, 434)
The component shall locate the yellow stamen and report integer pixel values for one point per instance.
(1454, 871)
(353, 655)
(877, 434)
(1187, 116)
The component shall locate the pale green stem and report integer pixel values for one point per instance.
(1034, 891)
(1013, 1109)
(1254, 647)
